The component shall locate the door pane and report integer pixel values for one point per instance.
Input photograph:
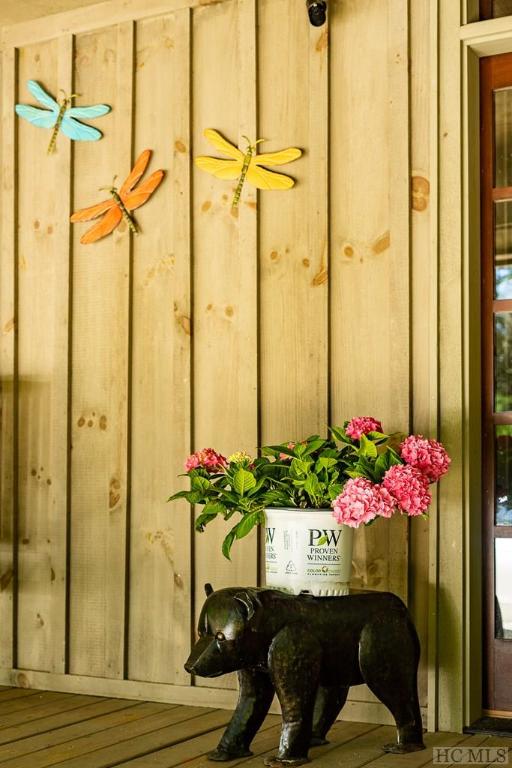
(502, 137)
(501, 8)
(503, 362)
(503, 611)
(503, 249)
(504, 475)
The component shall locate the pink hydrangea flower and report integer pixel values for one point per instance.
(207, 458)
(428, 456)
(361, 425)
(285, 456)
(362, 501)
(409, 487)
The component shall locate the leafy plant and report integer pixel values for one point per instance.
(307, 474)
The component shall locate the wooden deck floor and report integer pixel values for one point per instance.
(39, 729)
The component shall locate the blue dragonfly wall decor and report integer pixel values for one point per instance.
(61, 116)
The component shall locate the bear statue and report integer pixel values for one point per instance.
(309, 651)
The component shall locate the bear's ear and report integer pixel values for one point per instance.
(208, 589)
(249, 602)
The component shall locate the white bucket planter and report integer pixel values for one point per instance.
(296, 562)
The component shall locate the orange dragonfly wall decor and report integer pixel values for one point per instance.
(118, 207)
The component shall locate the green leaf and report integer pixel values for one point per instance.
(312, 486)
(367, 447)
(214, 508)
(340, 434)
(196, 497)
(243, 481)
(228, 495)
(355, 473)
(377, 436)
(200, 483)
(275, 450)
(228, 543)
(321, 541)
(179, 495)
(334, 490)
(261, 482)
(330, 453)
(313, 446)
(300, 467)
(203, 520)
(247, 524)
(382, 465)
(394, 457)
(325, 463)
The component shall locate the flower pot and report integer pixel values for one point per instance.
(307, 551)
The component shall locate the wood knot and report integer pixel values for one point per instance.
(114, 493)
(420, 193)
(382, 243)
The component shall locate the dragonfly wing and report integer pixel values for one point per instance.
(79, 131)
(278, 158)
(138, 196)
(222, 169)
(263, 179)
(138, 169)
(104, 227)
(220, 143)
(86, 214)
(40, 94)
(95, 110)
(40, 117)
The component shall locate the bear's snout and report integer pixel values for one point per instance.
(205, 659)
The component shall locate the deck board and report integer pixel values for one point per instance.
(131, 740)
(24, 703)
(7, 694)
(41, 729)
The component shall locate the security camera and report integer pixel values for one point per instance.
(317, 10)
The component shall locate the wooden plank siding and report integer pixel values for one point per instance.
(369, 271)
(207, 329)
(160, 542)
(8, 372)
(100, 387)
(43, 291)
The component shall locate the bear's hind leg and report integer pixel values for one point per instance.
(388, 659)
(328, 704)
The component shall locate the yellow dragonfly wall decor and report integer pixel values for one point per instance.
(247, 165)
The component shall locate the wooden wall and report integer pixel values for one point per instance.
(119, 358)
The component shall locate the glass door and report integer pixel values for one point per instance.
(496, 265)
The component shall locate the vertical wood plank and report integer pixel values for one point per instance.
(43, 279)
(369, 293)
(101, 282)
(225, 272)
(452, 495)
(423, 307)
(293, 77)
(433, 549)
(7, 357)
(399, 256)
(160, 563)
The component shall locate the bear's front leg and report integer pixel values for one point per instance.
(294, 661)
(255, 697)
